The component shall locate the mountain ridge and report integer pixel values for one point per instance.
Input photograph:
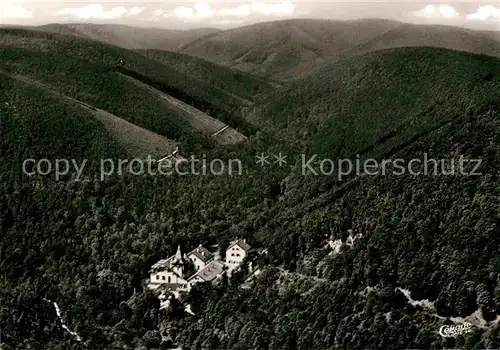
(129, 37)
(290, 49)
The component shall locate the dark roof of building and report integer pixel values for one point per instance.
(210, 271)
(201, 253)
(241, 243)
(162, 264)
(166, 287)
(168, 264)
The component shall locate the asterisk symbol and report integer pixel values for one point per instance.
(280, 159)
(262, 159)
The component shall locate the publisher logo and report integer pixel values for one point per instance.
(448, 331)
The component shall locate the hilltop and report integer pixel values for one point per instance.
(289, 49)
(129, 37)
(447, 37)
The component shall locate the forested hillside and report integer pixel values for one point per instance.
(88, 245)
(375, 103)
(434, 236)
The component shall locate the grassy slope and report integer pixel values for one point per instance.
(378, 101)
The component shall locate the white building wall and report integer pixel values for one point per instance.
(198, 263)
(235, 256)
(165, 276)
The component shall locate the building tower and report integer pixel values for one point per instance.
(178, 262)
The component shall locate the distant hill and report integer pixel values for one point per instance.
(454, 38)
(285, 49)
(130, 37)
(494, 34)
(280, 50)
(293, 48)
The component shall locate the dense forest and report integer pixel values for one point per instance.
(88, 245)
